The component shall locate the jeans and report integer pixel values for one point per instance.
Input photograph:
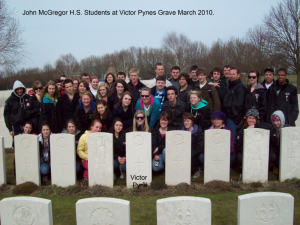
(45, 168)
(79, 167)
(161, 162)
(233, 127)
(117, 165)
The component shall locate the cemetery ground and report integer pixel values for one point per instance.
(223, 195)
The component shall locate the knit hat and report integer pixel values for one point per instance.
(253, 112)
(219, 114)
(275, 117)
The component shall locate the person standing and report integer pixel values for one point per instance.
(185, 88)
(193, 76)
(175, 71)
(159, 71)
(269, 78)
(159, 90)
(135, 84)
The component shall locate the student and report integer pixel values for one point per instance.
(121, 75)
(44, 140)
(103, 113)
(174, 107)
(75, 84)
(198, 107)
(193, 76)
(183, 94)
(83, 86)
(159, 71)
(59, 86)
(119, 87)
(218, 81)
(135, 84)
(109, 78)
(84, 111)
(15, 109)
(94, 85)
(103, 91)
(71, 128)
(158, 161)
(124, 109)
(27, 128)
(119, 141)
(197, 142)
(67, 104)
(269, 78)
(149, 105)
(159, 90)
(82, 149)
(86, 77)
(50, 97)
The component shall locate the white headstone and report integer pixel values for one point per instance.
(265, 208)
(92, 211)
(100, 159)
(178, 157)
(26, 210)
(138, 159)
(217, 155)
(2, 162)
(27, 157)
(183, 210)
(289, 153)
(256, 155)
(63, 159)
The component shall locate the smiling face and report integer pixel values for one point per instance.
(216, 76)
(19, 91)
(194, 99)
(51, 90)
(193, 75)
(163, 122)
(226, 72)
(188, 123)
(118, 127)
(119, 88)
(38, 89)
(71, 128)
(96, 128)
(110, 79)
(159, 70)
(86, 101)
(95, 83)
(160, 84)
(103, 91)
(269, 76)
(251, 120)
(234, 75)
(27, 128)
(45, 131)
(281, 77)
(101, 108)
(81, 88)
(175, 74)
(252, 78)
(217, 122)
(276, 123)
(126, 100)
(202, 78)
(182, 82)
(145, 95)
(140, 119)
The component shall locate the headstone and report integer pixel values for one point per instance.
(63, 159)
(100, 159)
(2, 162)
(217, 155)
(183, 210)
(178, 157)
(255, 155)
(27, 157)
(26, 210)
(92, 211)
(289, 153)
(138, 159)
(265, 208)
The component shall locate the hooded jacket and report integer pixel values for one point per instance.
(258, 99)
(82, 149)
(177, 116)
(154, 109)
(201, 113)
(15, 107)
(49, 112)
(234, 101)
(136, 90)
(83, 119)
(197, 141)
(274, 132)
(286, 101)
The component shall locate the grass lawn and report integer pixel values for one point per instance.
(143, 207)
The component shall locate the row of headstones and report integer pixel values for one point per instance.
(256, 208)
(139, 156)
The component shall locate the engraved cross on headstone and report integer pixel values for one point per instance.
(138, 162)
(27, 163)
(62, 166)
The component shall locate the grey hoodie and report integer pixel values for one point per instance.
(281, 116)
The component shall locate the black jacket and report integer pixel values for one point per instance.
(234, 101)
(160, 141)
(137, 90)
(120, 145)
(106, 123)
(111, 101)
(65, 109)
(221, 91)
(286, 101)
(184, 95)
(192, 83)
(179, 111)
(15, 110)
(203, 117)
(127, 116)
(240, 140)
(49, 114)
(197, 142)
(34, 112)
(258, 99)
(83, 119)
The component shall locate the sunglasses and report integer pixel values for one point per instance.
(145, 96)
(139, 118)
(252, 77)
(38, 88)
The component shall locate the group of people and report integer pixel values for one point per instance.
(190, 102)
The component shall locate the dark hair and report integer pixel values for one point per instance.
(269, 69)
(112, 127)
(84, 75)
(189, 116)
(63, 76)
(200, 71)
(97, 115)
(193, 67)
(226, 66)
(122, 96)
(171, 88)
(160, 78)
(72, 121)
(68, 81)
(283, 70)
(121, 73)
(114, 90)
(235, 68)
(246, 123)
(27, 122)
(217, 69)
(45, 123)
(256, 73)
(166, 116)
(85, 84)
(185, 76)
(57, 81)
(158, 64)
(106, 75)
(175, 68)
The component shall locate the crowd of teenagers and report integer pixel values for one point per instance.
(192, 102)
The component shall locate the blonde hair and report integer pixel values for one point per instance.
(198, 93)
(134, 70)
(146, 126)
(45, 90)
(98, 90)
(88, 94)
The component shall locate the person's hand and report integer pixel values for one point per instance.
(155, 150)
(156, 157)
(214, 84)
(120, 160)
(12, 133)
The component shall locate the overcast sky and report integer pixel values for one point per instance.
(49, 36)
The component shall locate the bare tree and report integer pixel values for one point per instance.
(67, 64)
(11, 44)
(283, 23)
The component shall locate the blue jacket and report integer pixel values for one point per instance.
(154, 110)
